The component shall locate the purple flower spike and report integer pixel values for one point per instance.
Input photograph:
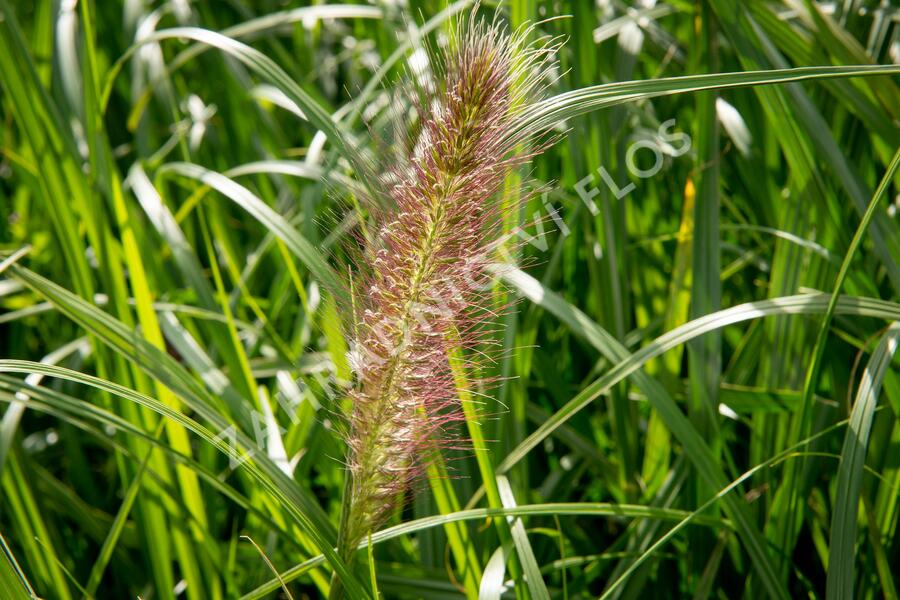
(426, 289)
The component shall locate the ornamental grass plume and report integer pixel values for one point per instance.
(423, 296)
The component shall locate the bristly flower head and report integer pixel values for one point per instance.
(422, 297)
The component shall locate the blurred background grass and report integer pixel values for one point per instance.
(188, 200)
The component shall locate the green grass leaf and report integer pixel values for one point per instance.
(842, 549)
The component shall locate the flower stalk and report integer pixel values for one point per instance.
(423, 297)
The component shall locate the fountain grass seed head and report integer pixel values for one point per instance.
(422, 298)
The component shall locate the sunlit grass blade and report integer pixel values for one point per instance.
(531, 572)
(11, 577)
(842, 549)
(301, 248)
(572, 104)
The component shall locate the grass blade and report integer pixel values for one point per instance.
(842, 549)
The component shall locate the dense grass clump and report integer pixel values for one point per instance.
(428, 300)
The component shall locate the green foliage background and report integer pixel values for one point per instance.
(699, 395)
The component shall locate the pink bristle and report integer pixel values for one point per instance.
(424, 296)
